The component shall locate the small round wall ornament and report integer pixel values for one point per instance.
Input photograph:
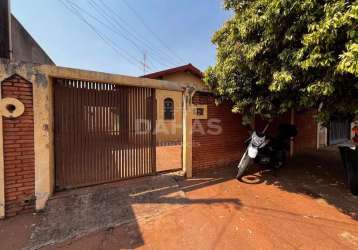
(11, 107)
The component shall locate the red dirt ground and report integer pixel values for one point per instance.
(168, 158)
(303, 206)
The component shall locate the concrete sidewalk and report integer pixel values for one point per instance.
(79, 212)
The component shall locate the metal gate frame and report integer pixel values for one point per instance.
(96, 138)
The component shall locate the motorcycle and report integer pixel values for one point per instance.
(267, 152)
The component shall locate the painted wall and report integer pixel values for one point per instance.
(169, 131)
(322, 140)
(185, 77)
(174, 127)
(24, 47)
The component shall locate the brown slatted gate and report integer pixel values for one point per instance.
(103, 133)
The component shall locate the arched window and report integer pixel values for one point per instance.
(168, 109)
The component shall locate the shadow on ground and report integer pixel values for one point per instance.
(319, 175)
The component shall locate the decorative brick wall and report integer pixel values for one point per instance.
(224, 149)
(19, 165)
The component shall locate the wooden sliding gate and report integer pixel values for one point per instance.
(103, 133)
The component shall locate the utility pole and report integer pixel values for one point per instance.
(144, 62)
(5, 29)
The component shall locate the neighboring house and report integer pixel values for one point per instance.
(24, 47)
(169, 103)
(15, 42)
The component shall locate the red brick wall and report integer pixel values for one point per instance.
(19, 158)
(210, 151)
(306, 140)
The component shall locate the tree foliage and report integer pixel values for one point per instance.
(274, 55)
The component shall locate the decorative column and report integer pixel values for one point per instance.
(16, 107)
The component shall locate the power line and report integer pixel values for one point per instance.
(74, 5)
(152, 32)
(104, 24)
(162, 58)
(136, 35)
(108, 26)
(105, 39)
(119, 29)
(77, 10)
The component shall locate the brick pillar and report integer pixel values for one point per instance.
(19, 156)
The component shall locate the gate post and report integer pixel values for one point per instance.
(43, 135)
(187, 131)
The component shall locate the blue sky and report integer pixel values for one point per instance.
(182, 32)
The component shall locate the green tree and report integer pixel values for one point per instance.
(274, 55)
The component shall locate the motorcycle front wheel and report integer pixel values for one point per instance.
(244, 163)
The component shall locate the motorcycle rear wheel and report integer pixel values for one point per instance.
(244, 163)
